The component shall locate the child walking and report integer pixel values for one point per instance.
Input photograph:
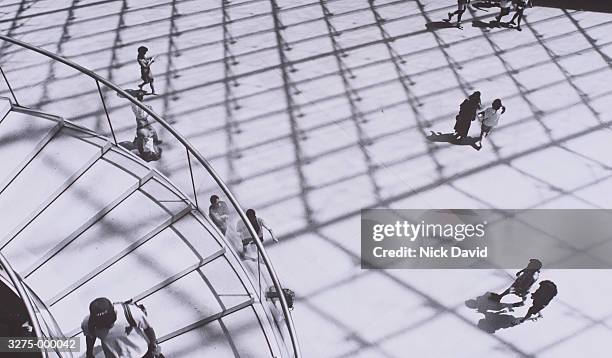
(490, 119)
(461, 7)
(145, 68)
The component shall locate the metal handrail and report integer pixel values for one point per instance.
(198, 156)
(18, 284)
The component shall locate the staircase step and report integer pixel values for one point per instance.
(135, 219)
(90, 194)
(154, 262)
(60, 159)
(235, 335)
(20, 135)
(191, 300)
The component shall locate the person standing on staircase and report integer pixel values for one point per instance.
(258, 224)
(122, 328)
(219, 213)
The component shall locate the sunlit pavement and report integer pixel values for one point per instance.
(317, 110)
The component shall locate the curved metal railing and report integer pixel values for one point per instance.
(191, 152)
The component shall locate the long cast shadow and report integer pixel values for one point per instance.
(450, 138)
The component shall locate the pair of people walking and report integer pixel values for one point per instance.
(526, 278)
(468, 113)
(519, 6)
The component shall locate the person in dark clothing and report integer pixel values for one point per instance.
(467, 113)
(461, 7)
(145, 68)
(541, 298)
(525, 279)
(219, 213)
(520, 9)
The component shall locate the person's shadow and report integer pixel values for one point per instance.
(450, 138)
(496, 314)
(490, 25)
(438, 25)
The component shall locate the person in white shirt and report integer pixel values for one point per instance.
(122, 328)
(505, 10)
(490, 119)
(461, 7)
(258, 224)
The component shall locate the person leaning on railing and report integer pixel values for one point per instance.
(258, 224)
(219, 213)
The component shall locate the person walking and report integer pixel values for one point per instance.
(461, 7)
(218, 213)
(145, 68)
(541, 298)
(122, 328)
(490, 119)
(518, 14)
(467, 113)
(258, 224)
(504, 10)
(525, 278)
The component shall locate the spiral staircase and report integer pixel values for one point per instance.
(82, 218)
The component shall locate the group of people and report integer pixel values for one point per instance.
(218, 212)
(521, 287)
(505, 9)
(123, 327)
(468, 112)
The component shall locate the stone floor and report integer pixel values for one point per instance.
(312, 110)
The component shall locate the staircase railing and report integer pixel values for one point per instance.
(192, 184)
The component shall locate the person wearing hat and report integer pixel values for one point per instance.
(145, 68)
(524, 280)
(122, 328)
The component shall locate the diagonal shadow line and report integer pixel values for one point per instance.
(392, 133)
(252, 52)
(132, 9)
(378, 62)
(114, 63)
(464, 84)
(191, 30)
(71, 8)
(554, 58)
(172, 51)
(434, 303)
(524, 91)
(352, 335)
(352, 97)
(588, 73)
(423, 188)
(412, 100)
(14, 24)
(230, 101)
(582, 30)
(435, 48)
(293, 110)
(582, 330)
